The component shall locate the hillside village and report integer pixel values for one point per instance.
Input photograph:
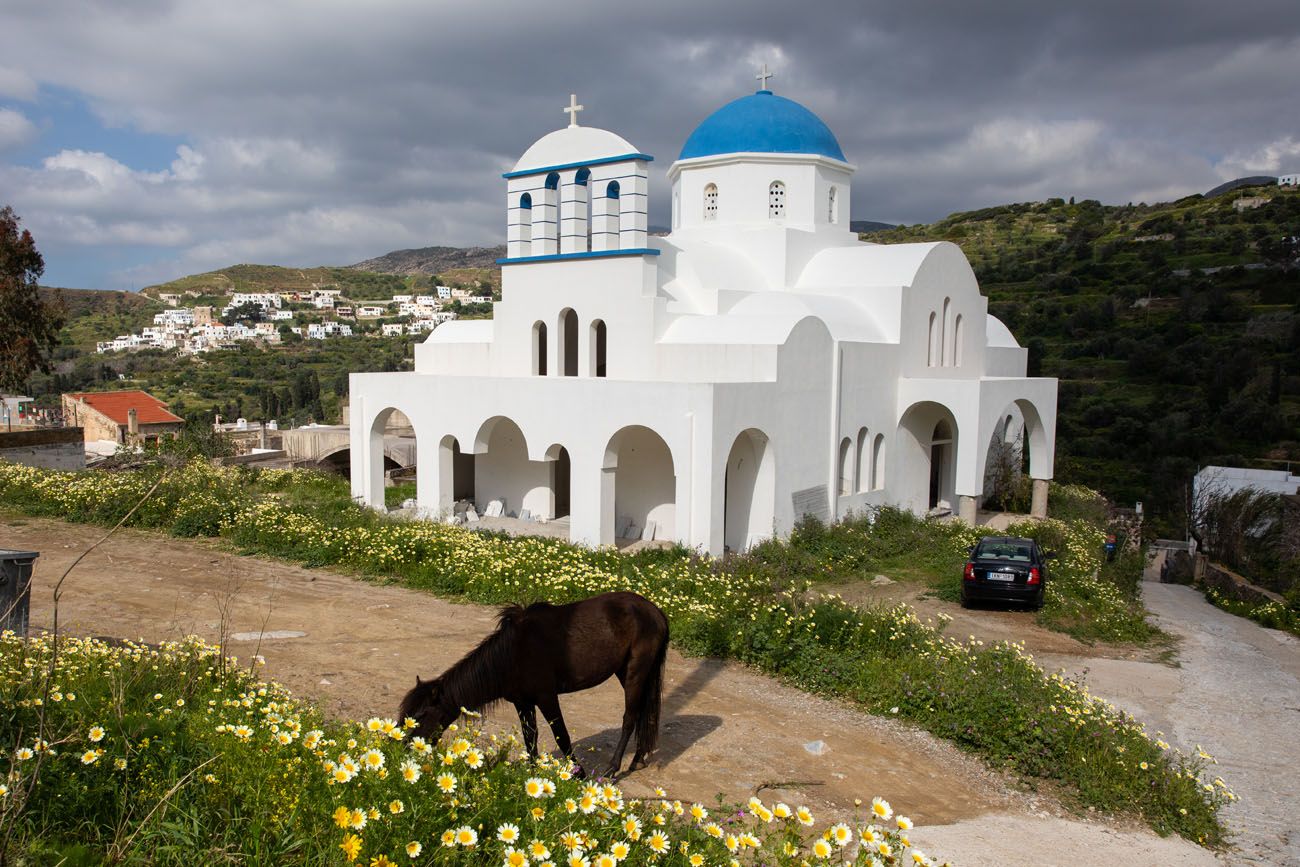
(267, 317)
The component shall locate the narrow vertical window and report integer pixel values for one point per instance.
(861, 468)
(831, 207)
(776, 200)
(944, 333)
(846, 481)
(956, 342)
(568, 343)
(599, 348)
(613, 214)
(582, 207)
(539, 348)
(711, 202)
(929, 346)
(878, 463)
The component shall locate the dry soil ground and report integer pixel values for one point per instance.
(355, 647)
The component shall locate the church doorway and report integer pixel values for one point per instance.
(561, 471)
(749, 500)
(639, 494)
(925, 461)
(940, 458)
(390, 433)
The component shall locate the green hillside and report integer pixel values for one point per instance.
(213, 286)
(1173, 329)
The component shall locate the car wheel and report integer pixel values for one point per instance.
(965, 602)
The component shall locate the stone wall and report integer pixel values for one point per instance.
(1230, 584)
(51, 448)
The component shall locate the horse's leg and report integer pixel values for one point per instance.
(633, 685)
(528, 723)
(550, 707)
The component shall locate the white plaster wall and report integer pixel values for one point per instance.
(944, 273)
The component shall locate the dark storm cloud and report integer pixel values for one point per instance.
(326, 132)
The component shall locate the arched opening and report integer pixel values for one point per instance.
(641, 503)
(861, 472)
(749, 506)
(561, 473)
(598, 344)
(677, 209)
(506, 483)
(389, 459)
(776, 200)
(878, 463)
(925, 465)
(553, 181)
(711, 202)
(956, 342)
(944, 332)
(930, 341)
(526, 223)
(845, 469)
(832, 207)
(455, 475)
(582, 210)
(613, 215)
(568, 342)
(1017, 451)
(539, 348)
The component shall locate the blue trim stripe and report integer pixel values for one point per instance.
(597, 254)
(599, 162)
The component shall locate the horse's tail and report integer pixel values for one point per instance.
(647, 726)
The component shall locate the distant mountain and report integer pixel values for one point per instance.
(1252, 181)
(863, 227)
(432, 260)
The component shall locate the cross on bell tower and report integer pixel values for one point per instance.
(573, 109)
(763, 76)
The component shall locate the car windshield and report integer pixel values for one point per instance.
(1004, 550)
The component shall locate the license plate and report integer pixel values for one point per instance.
(999, 576)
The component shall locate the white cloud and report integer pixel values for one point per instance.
(15, 129)
(1281, 156)
(16, 84)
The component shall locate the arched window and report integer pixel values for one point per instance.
(613, 211)
(846, 481)
(677, 209)
(956, 342)
(878, 463)
(832, 207)
(553, 181)
(526, 222)
(582, 208)
(944, 332)
(539, 348)
(599, 347)
(776, 200)
(934, 333)
(861, 471)
(568, 343)
(711, 202)
(582, 176)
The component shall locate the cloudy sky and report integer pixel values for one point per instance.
(142, 140)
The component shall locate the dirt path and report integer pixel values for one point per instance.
(1236, 692)
(356, 647)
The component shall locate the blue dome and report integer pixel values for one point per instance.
(762, 123)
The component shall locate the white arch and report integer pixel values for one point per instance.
(641, 486)
(749, 507)
(846, 481)
(861, 479)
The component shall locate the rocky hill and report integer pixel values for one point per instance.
(432, 260)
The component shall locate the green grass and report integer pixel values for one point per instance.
(993, 701)
(176, 756)
(1273, 615)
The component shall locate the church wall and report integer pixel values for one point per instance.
(868, 398)
(505, 473)
(945, 274)
(1005, 361)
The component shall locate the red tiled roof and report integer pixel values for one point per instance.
(115, 404)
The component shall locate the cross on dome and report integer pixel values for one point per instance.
(573, 109)
(763, 76)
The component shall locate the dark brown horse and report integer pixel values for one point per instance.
(539, 652)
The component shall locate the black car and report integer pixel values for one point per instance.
(1005, 569)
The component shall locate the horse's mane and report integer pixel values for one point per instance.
(476, 680)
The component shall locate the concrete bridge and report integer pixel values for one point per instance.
(329, 447)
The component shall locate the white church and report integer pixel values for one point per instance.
(711, 386)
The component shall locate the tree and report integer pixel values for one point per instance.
(29, 325)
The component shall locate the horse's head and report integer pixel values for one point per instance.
(428, 705)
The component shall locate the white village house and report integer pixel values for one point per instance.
(711, 386)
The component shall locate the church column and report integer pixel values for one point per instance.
(967, 509)
(1038, 502)
(545, 222)
(573, 217)
(591, 498)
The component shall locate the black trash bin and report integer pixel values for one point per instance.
(15, 588)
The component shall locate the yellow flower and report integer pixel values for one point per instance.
(904, 823)
(372, 760)
(515, 858)
(357, 818)
(881, 808)
(474, 759)
(537, 849)
(96, 733)
(351, 846)
(381, 861)
(804, 815)
(696, 860)
(89, 757)
(466, 836)
(605, 860)
(919, 857)
(449, 838)
(841, 835)
(342, 817)
(698, 813)
(658, 842)
(620, 850)
(119, 764)
(821, 849)
(507, 833)
(413, 849)
(396, 807)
